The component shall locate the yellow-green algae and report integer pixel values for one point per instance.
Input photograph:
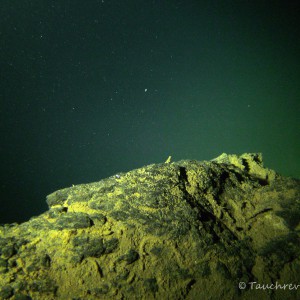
(177, 230)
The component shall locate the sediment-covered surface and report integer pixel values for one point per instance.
(221, 229)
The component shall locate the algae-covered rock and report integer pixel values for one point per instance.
(221, 229)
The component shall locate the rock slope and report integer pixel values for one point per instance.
(221, 229)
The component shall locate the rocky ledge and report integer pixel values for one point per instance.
(221, 229)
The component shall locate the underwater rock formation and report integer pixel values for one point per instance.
(221, 229)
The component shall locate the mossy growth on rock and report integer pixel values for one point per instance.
(175, 230)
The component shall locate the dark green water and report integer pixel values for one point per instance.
(88, 89)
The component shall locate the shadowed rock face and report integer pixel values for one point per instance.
(182, 230)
